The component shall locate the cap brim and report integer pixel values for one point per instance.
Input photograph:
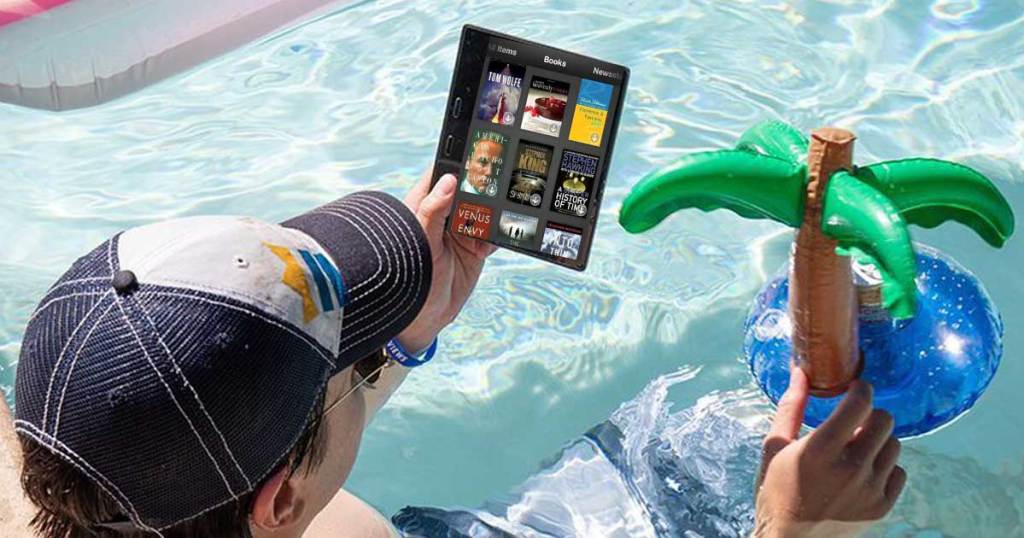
(384, 262)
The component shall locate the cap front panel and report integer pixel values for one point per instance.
(278, 270)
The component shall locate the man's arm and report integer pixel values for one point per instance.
(457, 262)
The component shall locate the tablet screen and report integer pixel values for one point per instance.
(538, 140)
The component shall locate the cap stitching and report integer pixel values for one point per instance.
(27, 428)
(399, 237)
(327, 211)
(72, 295)
(387, 302)
(386, 299)
(419, 283)
(110, 253)
(191, 389)
(133, 513)
(226, 291)
(96, 476)
(295, 439)
(59, 285)
(174, 399)
(403, 238)
(60, 357)
(278, 459)
(304, 337)
(382, 260)
(71, 370)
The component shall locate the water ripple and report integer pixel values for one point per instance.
(353, 100)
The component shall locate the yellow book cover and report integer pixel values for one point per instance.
(591, 113)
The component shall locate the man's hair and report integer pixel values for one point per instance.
(71, 506)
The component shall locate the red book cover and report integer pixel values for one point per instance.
(472, 220)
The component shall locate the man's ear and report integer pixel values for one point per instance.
(278, 503)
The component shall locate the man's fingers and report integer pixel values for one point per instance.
(771, 447)
(788, 418)
(419, 190)
(885, 462)
(790, 414)
(867, 443)
(894, 486)
(850, 413)
(477, 248)
(434, 209)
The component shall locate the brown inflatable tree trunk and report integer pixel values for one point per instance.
(822, 298)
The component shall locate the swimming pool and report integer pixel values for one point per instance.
(353, 99)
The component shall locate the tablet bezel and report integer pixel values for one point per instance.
(470, 64)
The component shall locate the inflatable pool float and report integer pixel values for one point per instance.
(856, 299)
(66, 54)
(652, 470)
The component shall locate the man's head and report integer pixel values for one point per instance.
(284, 504)
(173, 382)
(480, 165)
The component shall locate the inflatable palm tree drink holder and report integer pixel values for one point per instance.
(858, 298)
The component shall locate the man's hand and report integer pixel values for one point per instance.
(843, 473)
(457, 262)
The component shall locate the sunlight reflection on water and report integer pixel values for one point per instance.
(346, 103)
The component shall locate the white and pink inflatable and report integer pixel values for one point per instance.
(65, 54)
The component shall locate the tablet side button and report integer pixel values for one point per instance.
(457, 108)
(448, 143)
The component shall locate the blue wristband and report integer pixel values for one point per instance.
(398, 354)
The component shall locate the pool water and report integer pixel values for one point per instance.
(353, 100)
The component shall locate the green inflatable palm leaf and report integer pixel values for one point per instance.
(929, 192)
(866, 211)
(775, 139)
(749, 184)
(865, 221)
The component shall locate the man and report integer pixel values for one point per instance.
(212, 377)
(483, 166)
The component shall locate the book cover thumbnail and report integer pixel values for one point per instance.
(545, 106)
(561, 240)
(530, 175)
(591, 112)
(499, 98)
(484, 163)
(517, 229)
(574, 189)
(472, 220)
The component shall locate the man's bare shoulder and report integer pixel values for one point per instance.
(15, 510)
(347, 516)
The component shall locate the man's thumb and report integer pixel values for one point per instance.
(788, 418)
(790, 413)
(435, 208)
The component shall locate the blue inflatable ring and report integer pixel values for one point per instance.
(926, 371)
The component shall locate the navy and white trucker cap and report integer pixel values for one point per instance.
(178, 363)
